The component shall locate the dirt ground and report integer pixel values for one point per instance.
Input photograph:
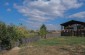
(47, 50)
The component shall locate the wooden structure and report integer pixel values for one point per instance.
(73, 28)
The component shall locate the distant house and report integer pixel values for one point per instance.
(73, 28)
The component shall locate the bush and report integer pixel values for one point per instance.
(10, 34)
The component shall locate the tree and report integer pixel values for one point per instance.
(43, 31)
(4, 38)
(10, 34)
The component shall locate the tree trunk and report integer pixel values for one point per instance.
(44, 36)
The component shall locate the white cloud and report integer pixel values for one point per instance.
(78, 15)
(8, 9)
(43, 10)
(6, 4)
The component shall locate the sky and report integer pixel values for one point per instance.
(34, 13)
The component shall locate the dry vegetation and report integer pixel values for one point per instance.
(49, 50)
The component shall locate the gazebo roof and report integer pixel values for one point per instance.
(72, 22)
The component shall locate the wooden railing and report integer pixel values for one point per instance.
(69, 32)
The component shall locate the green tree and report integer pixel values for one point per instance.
(4, 39)
(43, 31)
(10, 34)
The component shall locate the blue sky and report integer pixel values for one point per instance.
(34, 13)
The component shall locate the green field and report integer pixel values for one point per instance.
(61, 41)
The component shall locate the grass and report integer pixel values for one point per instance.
(53, 46)
(61, 41)
(56, 46)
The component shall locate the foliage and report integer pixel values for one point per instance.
(10, 34)
(43, 31)
(4, 38)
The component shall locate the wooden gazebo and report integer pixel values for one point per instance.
(73, 28)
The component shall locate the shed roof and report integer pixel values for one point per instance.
(72, 22)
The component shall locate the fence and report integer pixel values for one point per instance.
(31, 39)
(49, 35)
(23, 41)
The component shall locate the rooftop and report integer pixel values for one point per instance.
(72, 22)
